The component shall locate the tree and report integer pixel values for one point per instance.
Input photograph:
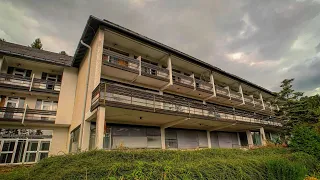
(37, 44)
(296, 109)
(1, 39)
(63, 53)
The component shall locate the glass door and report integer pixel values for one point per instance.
(7, 149)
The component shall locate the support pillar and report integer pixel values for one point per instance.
(100, 123)
(261, 98)
(263, 137)
(163, 138)
(209, 139)
(241, 92)
(86, 136)
(249, 137)
(213, 85)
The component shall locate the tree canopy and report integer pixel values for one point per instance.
(295, 108)
(37, 44)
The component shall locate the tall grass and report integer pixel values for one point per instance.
(266, 163)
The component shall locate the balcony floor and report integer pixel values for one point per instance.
(136, 117)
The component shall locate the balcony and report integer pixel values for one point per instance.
(236, 96)
(258, 104)
(203, 86)
(30, 115)
(29, 84)
(113, 95)
(154, 71)
(127, 68)
(222, 92)
(182, 80)
(248, 100)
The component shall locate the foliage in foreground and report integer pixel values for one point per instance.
(265, 163)
(306, 139)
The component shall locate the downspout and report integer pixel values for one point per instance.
(86, 92)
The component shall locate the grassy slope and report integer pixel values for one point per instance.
(266, 163)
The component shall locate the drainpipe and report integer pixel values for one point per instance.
(86, 92)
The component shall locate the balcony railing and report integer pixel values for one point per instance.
(203, 86)
(120, 61)
(34, 115)
(182, 80)
(109, 94)
(222, 91)
(248, 99)
(258, 103)
(236, 96)
(24, 83)
(154, 71)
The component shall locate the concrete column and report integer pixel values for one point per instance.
(262, 102)
(213, 85)
(86, 136)
(241, 92)
(163, 138)
(1, 62)
(209, 139)
(100, 123)
(263, 137)
(249, 137)
(228, 88)
(170, 69)
(239, 141)
(194, 81)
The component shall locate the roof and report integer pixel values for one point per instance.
(30, 53)
(94, 23)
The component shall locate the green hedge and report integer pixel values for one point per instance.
(266, 163)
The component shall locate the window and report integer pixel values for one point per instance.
(52, 79)
(19, 72)
(46, 105)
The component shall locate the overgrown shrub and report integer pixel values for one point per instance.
(227, 164)
(306, 139)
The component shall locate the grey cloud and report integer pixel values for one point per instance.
(207, 29)
(307, 74)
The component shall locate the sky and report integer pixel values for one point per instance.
(263, 41)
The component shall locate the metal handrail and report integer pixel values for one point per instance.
(27, 82)
(203, 85)
(30, 114)
(221, 90)
(130, 97)
(154, 70)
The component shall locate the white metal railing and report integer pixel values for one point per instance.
(182, 79)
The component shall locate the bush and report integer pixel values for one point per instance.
(229, 164)
(306, 139)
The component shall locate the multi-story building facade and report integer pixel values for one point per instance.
(124, 90)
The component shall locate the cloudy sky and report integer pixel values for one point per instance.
(263, 41)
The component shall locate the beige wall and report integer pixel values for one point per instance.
(67, 96)
(59, 143)
(94, 78)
